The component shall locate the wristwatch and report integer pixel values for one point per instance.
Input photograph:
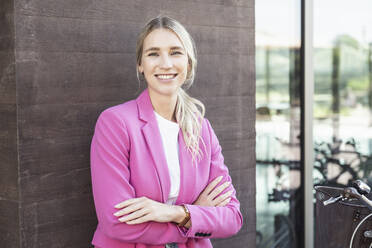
(187, 217)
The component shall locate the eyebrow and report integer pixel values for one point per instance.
(157, 48)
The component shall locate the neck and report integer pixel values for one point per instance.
(164, 105)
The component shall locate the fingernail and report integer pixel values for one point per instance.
(116, 214)
(117, 205)
(219, 178)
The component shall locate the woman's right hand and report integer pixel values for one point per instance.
(209, 195)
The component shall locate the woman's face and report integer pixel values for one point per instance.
(164, 62)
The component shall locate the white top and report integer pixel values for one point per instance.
(169, 134)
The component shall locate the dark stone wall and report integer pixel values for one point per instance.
(76, 58)
(9, 200)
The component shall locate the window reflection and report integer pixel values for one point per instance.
(343, 92)
(278, 171)
(342, 109)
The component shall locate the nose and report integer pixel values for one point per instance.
(165, 62)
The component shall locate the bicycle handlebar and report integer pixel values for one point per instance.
(353, 192)
(345, 193)
(366, 201)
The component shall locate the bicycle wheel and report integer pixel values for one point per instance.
(358, 239)
(284, 236)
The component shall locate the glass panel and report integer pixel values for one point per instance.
(278, 171)
(342, 110)
(343, 91)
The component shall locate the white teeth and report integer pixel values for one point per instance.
(165, 76)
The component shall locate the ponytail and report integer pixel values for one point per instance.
(189, 114)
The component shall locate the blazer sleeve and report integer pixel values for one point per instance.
(215, 222)
(110, 173)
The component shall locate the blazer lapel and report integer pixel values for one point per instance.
(153, 139)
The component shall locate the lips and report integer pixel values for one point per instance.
(166, 76)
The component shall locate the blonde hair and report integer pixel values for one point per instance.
(189, 111)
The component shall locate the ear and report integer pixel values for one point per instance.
(140, 68)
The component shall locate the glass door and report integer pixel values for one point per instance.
(342, 111)
(279, 198)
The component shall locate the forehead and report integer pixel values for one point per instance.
(161, 38)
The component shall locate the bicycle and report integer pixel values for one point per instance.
(339, 163)
(284, 233)
(355, 196)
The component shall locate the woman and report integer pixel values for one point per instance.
(158, 174)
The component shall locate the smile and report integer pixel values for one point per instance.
(165, 76)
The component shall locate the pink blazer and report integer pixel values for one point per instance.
(128, 161)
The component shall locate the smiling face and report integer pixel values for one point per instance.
(164, 62)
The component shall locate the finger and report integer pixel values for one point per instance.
(129, 202)
(224, 203)
(137, 214)
(131, 208)
(142, 219)
(221, 198)
(218, 190)
(211, 186)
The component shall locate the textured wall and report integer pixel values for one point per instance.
(9, 200)
(76, 58)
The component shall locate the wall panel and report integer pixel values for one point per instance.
(66, 61)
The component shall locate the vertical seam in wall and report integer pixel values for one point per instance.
(254, 104)
(17, 129)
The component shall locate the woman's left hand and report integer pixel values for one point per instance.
(143, 209)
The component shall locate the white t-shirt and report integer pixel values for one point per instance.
(169, 134)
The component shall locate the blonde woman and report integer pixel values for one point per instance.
(158, 175)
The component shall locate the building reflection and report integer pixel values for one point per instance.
(278, 118)
(342, 111)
